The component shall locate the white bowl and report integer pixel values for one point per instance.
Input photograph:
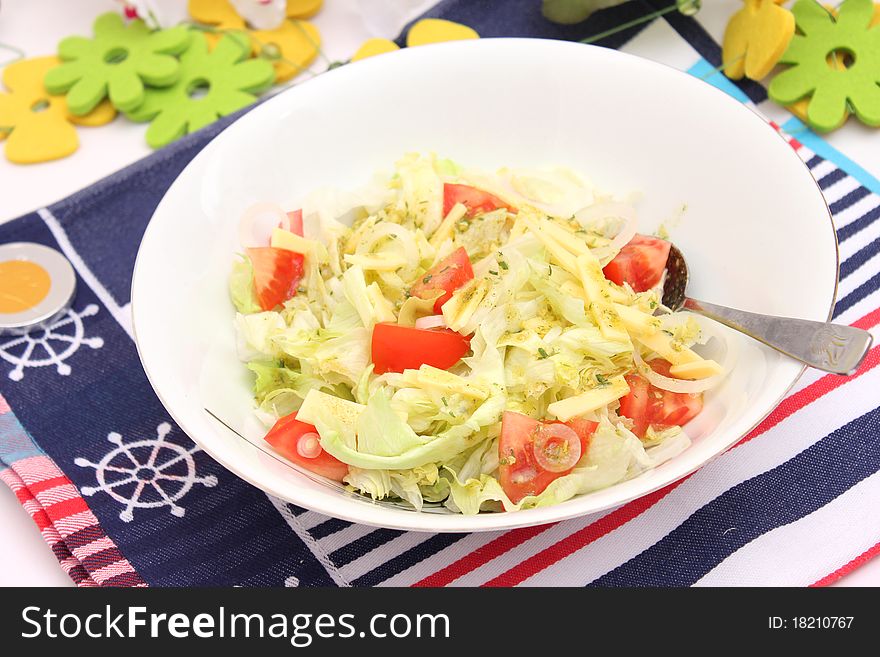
(740, 203)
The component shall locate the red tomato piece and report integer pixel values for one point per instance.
(397, 348)
(649, 406)
(286, 436)
(584, 428)
(296, 222)
(277, 273)
(446, 276)
(476, 200)
(520, 474)
(640, 263)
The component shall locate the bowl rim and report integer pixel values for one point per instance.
(511, 520)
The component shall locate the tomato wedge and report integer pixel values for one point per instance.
(296, 222)
(649, 406)
(640, 263)
(298, 442)
(277, 273)
(520, 472)
(476, 200)
(397, 348)
(446, 276)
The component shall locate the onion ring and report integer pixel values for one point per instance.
(258, 222)
(431, 322)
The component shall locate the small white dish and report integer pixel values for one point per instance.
(737, 199)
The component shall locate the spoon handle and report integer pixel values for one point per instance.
(835, 348)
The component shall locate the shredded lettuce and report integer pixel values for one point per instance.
(256, 334)
(241, 287)
(535, 314)
(446, 445)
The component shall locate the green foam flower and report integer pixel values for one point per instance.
(211, 84)
(117, 62)
(836, 63)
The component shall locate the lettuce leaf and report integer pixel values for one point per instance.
(445, 446)
(382, 432)
(271, 375)
(332, 416)
(569, 307)
(241, 287)
(469, 497)
(256, 333)
(343, 359)
(408, 485)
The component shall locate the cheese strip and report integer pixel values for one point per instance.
(284, 239)
(444, 230)
(562, 255)
(636, 321)
(564, 237)
(443, 381)
(591, 400)
(458, 310)
(702, 369)
(687, 364)
(616, 294)
(594, 284)
(665, 346)
(377, 262)
(382, 307)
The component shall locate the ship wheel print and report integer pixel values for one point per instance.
(48, 344)
(146, 474)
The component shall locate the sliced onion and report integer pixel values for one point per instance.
(258, 222)
(557, 447)
(683, 386)
(726, 360)
(611, 210)
(431, 322)
(309, 445)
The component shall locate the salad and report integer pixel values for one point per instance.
(488, 342)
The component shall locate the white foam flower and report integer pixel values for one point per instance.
(159, 13)
(262, 14)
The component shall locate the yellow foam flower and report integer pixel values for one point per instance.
(756, 37)
(373, 47)
(423, 32)
(302, 9)
(296, 41)
(37, 126)
(436, 30)
(217, 13)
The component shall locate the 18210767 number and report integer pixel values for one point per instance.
(810, 623)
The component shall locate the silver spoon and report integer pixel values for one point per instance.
(835, 348)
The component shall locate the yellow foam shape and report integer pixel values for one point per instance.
(40, 122)
(103, 113)
(756, 37)
(303, 8)
(437, 30)
(373, 47)
(219, 14)
(298, 42)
